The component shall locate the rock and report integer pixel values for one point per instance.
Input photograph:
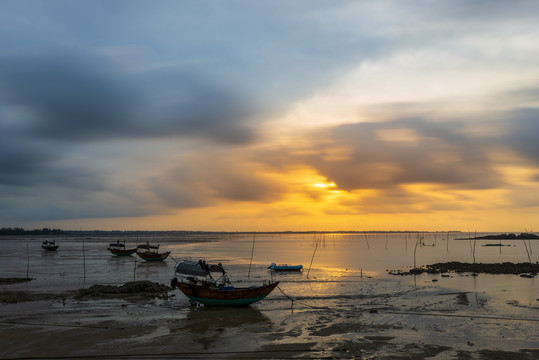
(134, 289)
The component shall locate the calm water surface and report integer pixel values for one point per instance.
(335, 264)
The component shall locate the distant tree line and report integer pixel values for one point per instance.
(21, 231)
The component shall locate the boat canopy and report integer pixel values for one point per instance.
(189, 267)
(148, 246)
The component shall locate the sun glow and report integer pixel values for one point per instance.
(322, 185)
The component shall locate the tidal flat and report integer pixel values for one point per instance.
(345, 304)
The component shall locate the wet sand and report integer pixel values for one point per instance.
(425, 323)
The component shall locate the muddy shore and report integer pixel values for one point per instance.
(148, 320)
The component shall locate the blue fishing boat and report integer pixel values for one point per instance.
(285, 267)
(199, 285)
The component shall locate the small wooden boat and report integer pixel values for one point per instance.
(119, 249)
(285, 267)
(49, 245)
(198, 284)
(151, 253)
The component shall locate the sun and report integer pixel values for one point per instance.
(322, 185)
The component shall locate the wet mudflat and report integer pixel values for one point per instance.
(335, 312)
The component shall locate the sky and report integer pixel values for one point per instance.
(269, 115)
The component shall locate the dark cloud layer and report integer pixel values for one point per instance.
(77, 96)
(523, 134)
(205, 179)
(54, 104)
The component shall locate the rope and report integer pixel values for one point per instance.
(62, 325)
(300, 302)
(462, 316)
(175, 355)
(173, 258)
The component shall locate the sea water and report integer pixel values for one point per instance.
(329, 259)
(345, 289)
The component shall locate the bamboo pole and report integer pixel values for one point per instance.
(415, 249)
(474, 242)
(527, 252)
(83, 261)
(27, 262)
(406, 242)
(135, 268)
(314, 252)
(252, 251)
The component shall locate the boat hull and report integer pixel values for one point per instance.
(153, 256)
(286, 268)
(125, 252)
(217, 297)
(50, 248)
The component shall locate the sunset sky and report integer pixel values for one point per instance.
(269, 115)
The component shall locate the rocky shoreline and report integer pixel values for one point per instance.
(523, 269)
(134, 291)
(521, 236)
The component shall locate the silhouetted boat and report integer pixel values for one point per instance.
(198, 284)
(151, 253)
(285, 267)
(49, 245)
(119, 249)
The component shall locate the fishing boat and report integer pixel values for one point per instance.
(119, 249)
(285, 267)
(49, 245)
(151, 252)
(197, 282)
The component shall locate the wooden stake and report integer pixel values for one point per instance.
(27, 262)
(314, 252)
(83, 261)
(367, 240)
(252, 251)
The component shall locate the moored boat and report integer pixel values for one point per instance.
(151, 253)
(198, 284)
(49, 245)
(119, 249)
(285, 267)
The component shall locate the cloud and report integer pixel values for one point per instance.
(80, 96)
(522, 133)
(405, 151)
(57, 107)
(211, 178)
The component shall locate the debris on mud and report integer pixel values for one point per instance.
(462, 299)
(6, 281)
(13, 297)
